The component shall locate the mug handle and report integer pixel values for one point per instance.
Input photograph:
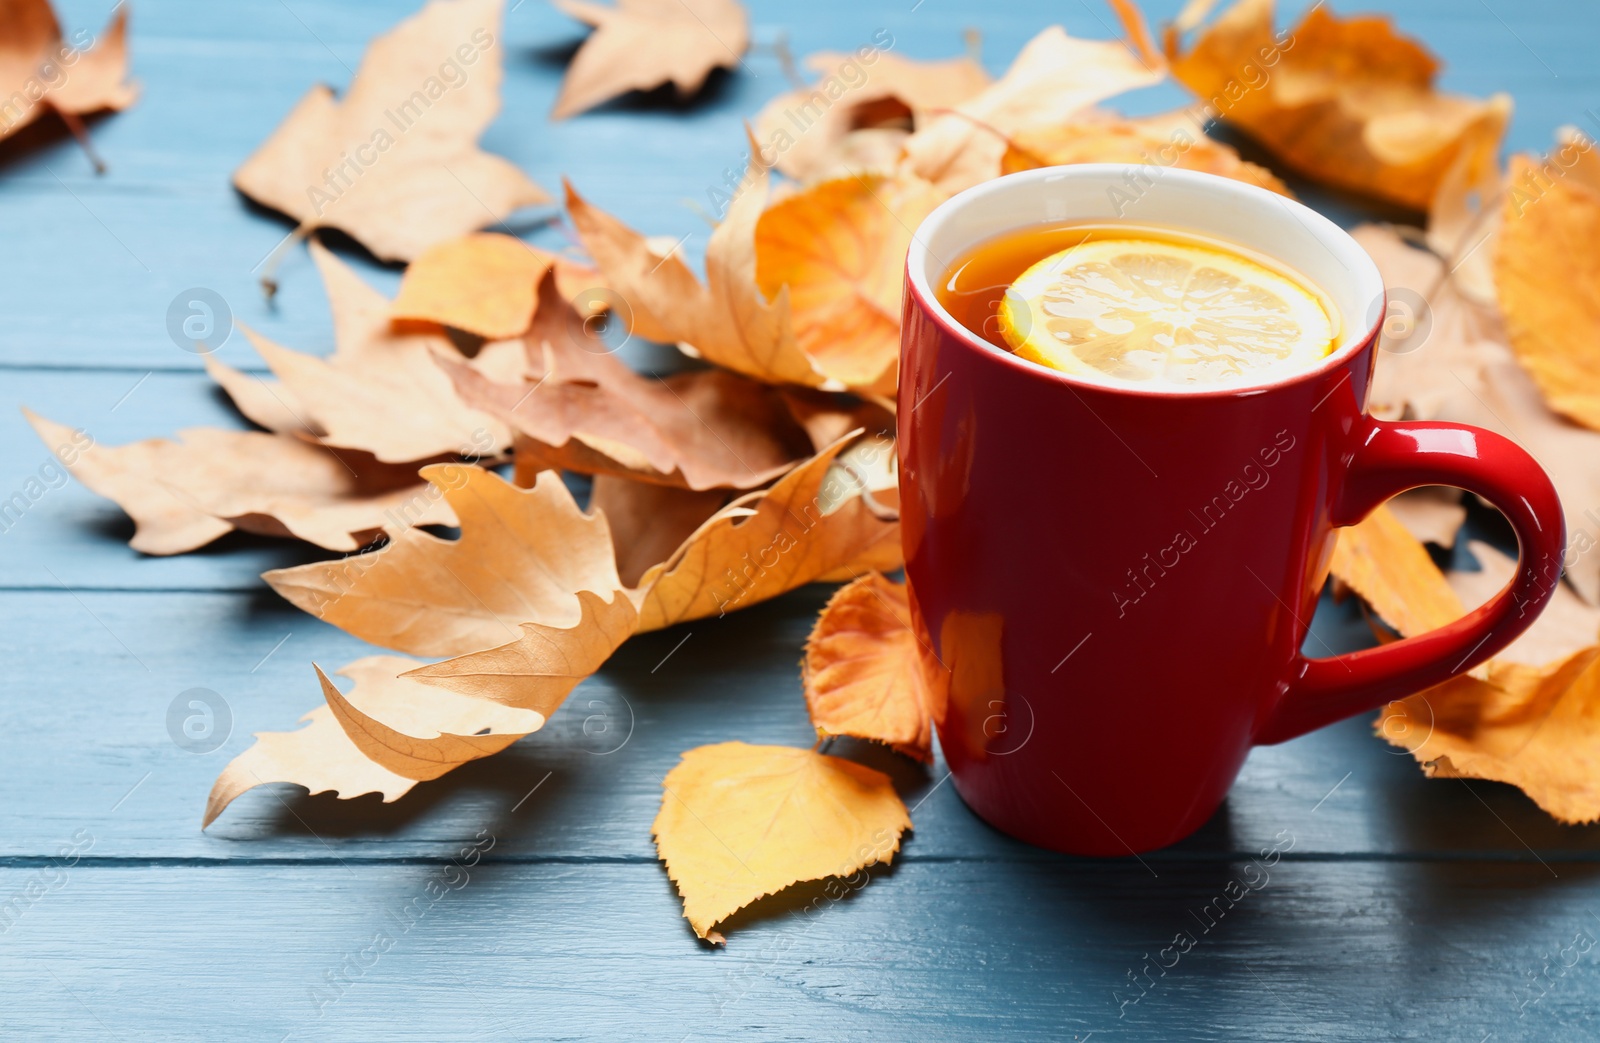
(1384, 460)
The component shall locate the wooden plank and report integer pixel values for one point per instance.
(955, 951)
(95, 675)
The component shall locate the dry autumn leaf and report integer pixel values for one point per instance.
(381, 392)
(739, 822)
(1346, 102)
(1547, 268)
(1508, 403)
(1391, 571)
(1566, 626)
(522, 557)
(1530, 716)
(1432, 515)
(395, 163)
(728, 320)
(649, 521)
(182, 495)
(538, 670)
(1160, 142)
(486, 284)
(871, 92)
(639, 44)
(1537, 728)
(820, 518)
(862, 671)
(582, 409)
(41, 72)
(1052, 80)
(425, 733)
(1434, 340)
(838, 248)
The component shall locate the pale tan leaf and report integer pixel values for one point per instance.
(395, 162)
(582, 409)
(872, 91)
(182, 495)
(639, 44)
(1054, 78)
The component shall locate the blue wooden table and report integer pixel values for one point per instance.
(1401, 908)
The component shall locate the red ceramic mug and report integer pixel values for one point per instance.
(1112, 585)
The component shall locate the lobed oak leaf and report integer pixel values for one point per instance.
(485, 284)
(383, 737)
(40, 72)
(862, 671)
(395, 163)
(582, 409)
(537, 671)
(1547, 269)
(839, 248)
(739, 822)
(727, 321)
(816, 520)
(521, 558)
(1348, 102)
(1168, 140)
(185, 494)
(870, 95)
(1053, 79)
(639, 44)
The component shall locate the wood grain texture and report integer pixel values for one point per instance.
(1405, 909)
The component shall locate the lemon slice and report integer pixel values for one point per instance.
(1161, 313)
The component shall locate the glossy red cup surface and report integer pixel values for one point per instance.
(1113, 585)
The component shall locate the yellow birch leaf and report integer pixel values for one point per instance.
(739, 822)
(862, 672)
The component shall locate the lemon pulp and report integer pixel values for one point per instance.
(1163, 313)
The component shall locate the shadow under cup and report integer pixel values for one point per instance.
(1112, 584)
